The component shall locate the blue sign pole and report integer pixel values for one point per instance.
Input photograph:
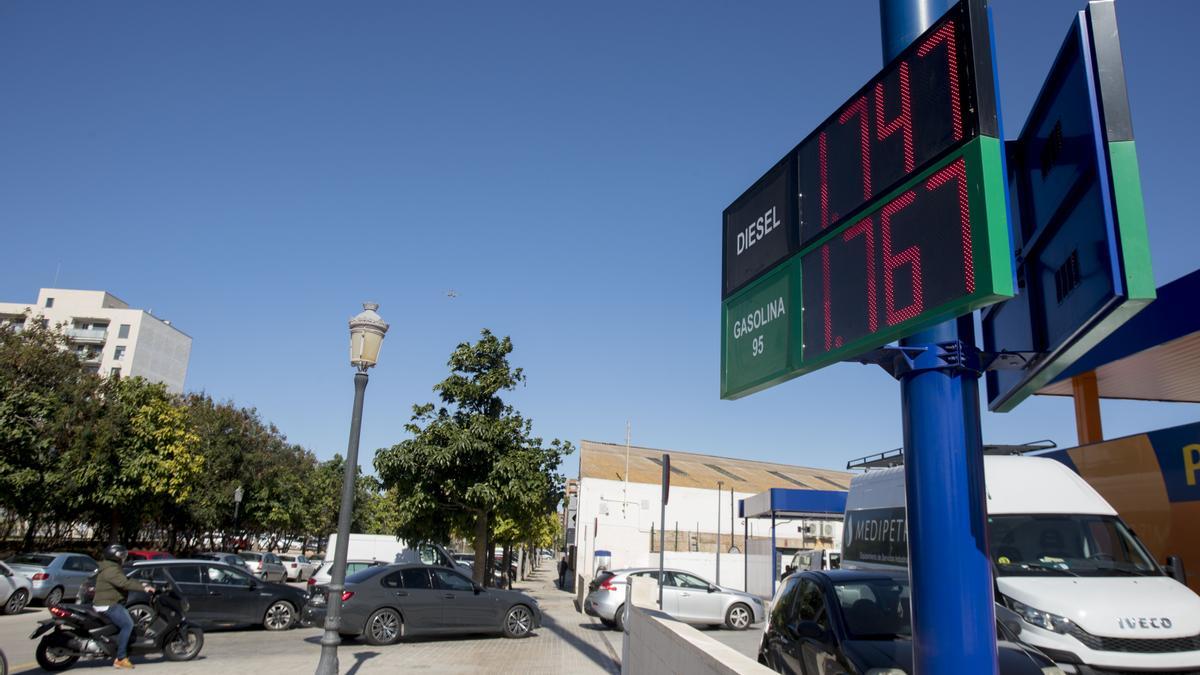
(953, 617)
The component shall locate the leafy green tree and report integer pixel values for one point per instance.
(44, 401)
(471, 457)
(140, 455)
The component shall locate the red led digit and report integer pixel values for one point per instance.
(902, 122)
(957, 171)
(910, 256)
(823, 167)
(945, 35)
(866, 229)
(860, 108)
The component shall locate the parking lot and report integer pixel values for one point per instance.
(568, 642)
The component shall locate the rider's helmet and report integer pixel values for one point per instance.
(116, 553)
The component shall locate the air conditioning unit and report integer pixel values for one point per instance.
(645, 504)
(827, 530)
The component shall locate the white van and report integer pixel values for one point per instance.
(812, 559)
(1087, 590)
(381, 548)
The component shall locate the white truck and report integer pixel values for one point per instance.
(1088, 593)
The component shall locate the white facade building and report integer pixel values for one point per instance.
(624, 518)
(110, 337)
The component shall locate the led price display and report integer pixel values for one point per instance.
(909, 115)
(899, 218)
(911, 254)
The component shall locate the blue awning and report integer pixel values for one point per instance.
(792, 503)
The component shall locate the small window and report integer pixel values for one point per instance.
(123, 331)
(49, 302)
(451, 581)
(393, 580)
(186, 574)
(119, 354)
(416, 578)
(115, 373)
(226, 577)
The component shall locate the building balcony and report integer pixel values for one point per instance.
(90, 358)
(90, 336)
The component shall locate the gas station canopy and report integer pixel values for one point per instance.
(789, 503)
(1155, 356)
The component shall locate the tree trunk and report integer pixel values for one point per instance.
(481, 532)
(114, 527)
(27, 542)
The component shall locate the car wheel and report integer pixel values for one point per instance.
(54, 597)
(619, 619)
(518, 622)
(383, 627)
(16, 601)
(142, 615)
(738, 617)
(280, 616)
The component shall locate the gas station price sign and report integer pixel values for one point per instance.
(896, 218)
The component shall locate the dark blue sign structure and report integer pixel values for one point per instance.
(1079, 225)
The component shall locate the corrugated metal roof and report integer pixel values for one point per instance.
(688, 469)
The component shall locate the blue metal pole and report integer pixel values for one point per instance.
(953, 615)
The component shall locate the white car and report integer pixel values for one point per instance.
(298, 567)
(15, 590)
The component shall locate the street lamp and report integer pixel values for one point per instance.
(366, 336)
(237, 507)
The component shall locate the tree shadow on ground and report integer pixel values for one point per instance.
(600, 658)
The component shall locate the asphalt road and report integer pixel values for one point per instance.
(568, 642)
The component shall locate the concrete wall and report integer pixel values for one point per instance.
(656, 643)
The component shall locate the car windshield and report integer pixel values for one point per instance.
(875, 609)
(1066, 545)
(31, 559)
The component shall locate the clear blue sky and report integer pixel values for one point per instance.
(253, 171)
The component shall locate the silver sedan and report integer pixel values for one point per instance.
(686, 597)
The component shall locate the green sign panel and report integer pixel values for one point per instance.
(935, 247)
(758, 330)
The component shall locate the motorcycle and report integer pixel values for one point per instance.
(79, 631)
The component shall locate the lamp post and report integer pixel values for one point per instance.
(366, 336)
(237, 507)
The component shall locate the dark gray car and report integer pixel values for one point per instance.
(383, 604)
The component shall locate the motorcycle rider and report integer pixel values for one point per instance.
(112, 586)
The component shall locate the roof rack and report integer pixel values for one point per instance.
(895, 457)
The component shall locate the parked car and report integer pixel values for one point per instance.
(321, 578)
(15, 590)
(141, 554)
(383, 604)
(219, 594)
(297, 567)
(860, 621)
(224, 557)
(266, 566)
(686, 597)
(53, 575)
(812, 559)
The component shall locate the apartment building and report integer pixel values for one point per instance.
(110, 337)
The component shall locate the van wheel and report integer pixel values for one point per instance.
(738, 617)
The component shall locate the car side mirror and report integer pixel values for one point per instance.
(477, 587)
(1175, 569)
(712, 589)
